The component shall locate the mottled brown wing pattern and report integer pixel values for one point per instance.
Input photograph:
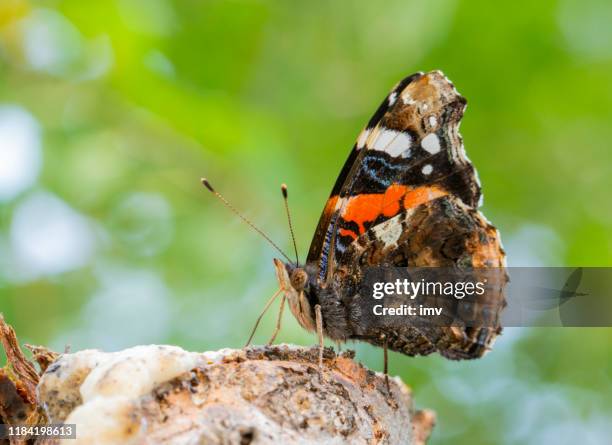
(445, 233)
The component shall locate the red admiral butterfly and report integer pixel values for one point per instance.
(407, 196)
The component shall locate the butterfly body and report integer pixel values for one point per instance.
(406, 197)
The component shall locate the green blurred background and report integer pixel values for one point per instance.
(111, 111)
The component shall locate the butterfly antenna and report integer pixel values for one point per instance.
(285, 195)
(206, 184)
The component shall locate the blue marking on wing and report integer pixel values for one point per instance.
(374, 172)
(325, 252)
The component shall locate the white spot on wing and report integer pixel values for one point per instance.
(392, 98)
(400, 145)
(431, 143)
(407, 99)
(432, 121)
(383, 139)
(363, 137)
(389, 231)
(392, 142)
(427, 169)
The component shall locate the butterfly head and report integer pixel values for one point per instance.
(293, 281)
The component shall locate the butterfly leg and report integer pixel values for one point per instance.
(383, 337)
(266, 307)
(278, 321)
(319, 321)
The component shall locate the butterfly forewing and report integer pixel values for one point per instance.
(409, 153)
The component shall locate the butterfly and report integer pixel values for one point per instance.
(407, 196)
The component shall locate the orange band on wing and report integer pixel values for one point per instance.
(421, 195)
(366, 208)
(347, 232)
(330, 205)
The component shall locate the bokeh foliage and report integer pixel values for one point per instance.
(129, 102)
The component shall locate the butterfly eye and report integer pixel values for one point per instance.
(299, 277)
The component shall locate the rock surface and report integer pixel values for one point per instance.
(259, 395)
